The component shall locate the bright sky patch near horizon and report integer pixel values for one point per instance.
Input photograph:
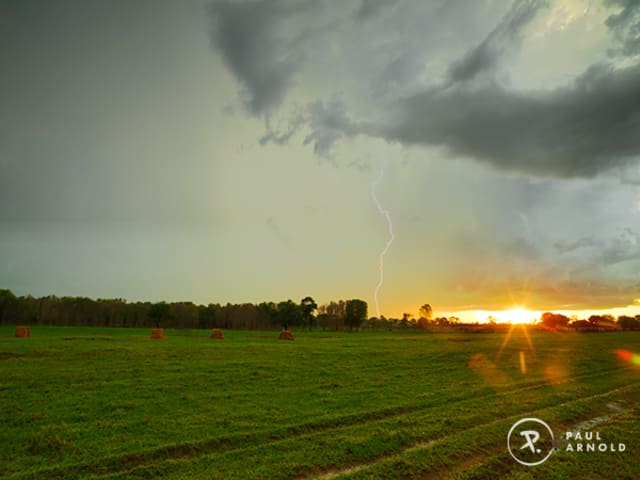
(223, 151)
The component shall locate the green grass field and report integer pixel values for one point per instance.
(110, 403)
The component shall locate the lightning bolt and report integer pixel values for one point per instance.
(385, 213)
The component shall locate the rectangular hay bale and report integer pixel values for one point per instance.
(157, 334)
(216, 334)
(22, 331)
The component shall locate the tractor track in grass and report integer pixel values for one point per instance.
(238, 442)
(589, 422)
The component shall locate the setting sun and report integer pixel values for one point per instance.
(517, 315)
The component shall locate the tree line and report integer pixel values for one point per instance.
(305, 314)
(558, 321)
(117, 312)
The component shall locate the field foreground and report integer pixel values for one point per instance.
(110, 403)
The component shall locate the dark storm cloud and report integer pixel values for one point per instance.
(255, 48)
(505, 37)
(575, 131)
(625, 26)
(578, 130)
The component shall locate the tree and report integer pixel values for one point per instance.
(289, 314)
(335, 314)
(159, 312)
(7, 302)
(602, 321)
(268, 313)
(628, 323)
(323, 320)
(355, 313)
(376, 323)
(426, 311)
(554, 320)
(206, 316)
(442, 321)
(423, 323)
(307, 307)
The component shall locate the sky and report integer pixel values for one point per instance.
(240, 151)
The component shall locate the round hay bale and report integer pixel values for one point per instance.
(157, 334)
(286, 335)
(22, 331)
(216, 334)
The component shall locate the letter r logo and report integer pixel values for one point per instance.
(532, 437)
(538, 439)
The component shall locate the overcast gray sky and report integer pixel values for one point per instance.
(225, 150)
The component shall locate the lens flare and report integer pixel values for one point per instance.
(628, 356)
